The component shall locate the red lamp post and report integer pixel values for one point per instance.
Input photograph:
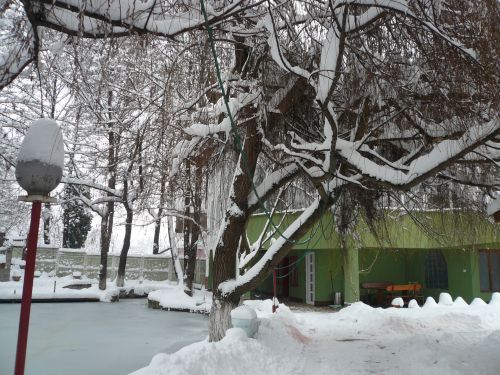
(38, 171)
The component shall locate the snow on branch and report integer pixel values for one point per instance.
(225, 126)
(265, 234)
(292, 231)
(15, 61)
(98, 19)
(420, 168)
(401, 7)
(271, 183)
(354, 23)
(328, 64)
(277, 53)
(182, 151)
(91, 184)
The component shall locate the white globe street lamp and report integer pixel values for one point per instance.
(39, 170)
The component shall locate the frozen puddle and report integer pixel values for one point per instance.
(95, 338)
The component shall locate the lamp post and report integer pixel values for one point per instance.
(38, 171)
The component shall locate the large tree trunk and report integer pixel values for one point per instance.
(175, 254)
(65, 237)
(234, 227)
(188, 253)
(105, 240)
(219, 320)
(108, 218)
(46, 214)
(120, 278)
(195, 231)
(156, 237)
(224, 264)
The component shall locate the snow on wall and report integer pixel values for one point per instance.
(63, 262)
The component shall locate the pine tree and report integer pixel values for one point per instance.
(76, 217)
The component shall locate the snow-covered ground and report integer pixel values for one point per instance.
(174, 298)
(447, 337)
(438, 338)
(49, 287)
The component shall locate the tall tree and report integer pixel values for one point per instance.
(381, 95)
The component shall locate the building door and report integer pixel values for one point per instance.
(310, 276)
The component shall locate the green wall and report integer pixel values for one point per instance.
(399, 253)
(421, 230)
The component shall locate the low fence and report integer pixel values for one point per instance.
(63, 262)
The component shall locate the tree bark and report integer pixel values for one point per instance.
(175, 255)
(234, 224)
(108, 218)
(65, 237)
(188, 253)
(46, 224)
(219, 320)
(156, 236)
(120, 278)
(105, 237)
(195, 231)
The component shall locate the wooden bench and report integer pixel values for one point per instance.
(405, 291)
(375, 292)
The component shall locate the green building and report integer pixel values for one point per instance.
(451, 251)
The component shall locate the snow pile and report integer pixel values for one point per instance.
(243, 312)
(397, 302)
(445, 299)
(493, 206)
(244, 317)
(174, 298)
(429, 302)
(437, 339)
(48, 287)
(413, 304)
(277, 350)
(495, 299)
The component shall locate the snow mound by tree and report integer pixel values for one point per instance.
(435, 340)
(238, 354)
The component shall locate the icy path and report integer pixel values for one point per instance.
(95, 338)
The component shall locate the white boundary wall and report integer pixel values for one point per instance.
(63, 262)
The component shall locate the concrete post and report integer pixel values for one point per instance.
(351, 275)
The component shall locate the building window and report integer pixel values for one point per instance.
(436, 270)
(489, 270)
(294, 274)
